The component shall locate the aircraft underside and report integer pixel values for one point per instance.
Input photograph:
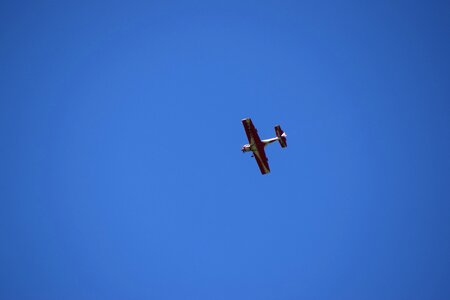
(256, 145)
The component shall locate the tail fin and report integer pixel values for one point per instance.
(281, 135)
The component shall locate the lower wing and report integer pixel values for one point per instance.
(262, 161)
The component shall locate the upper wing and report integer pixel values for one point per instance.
(261, 159)
(253, 139)
(250, 130)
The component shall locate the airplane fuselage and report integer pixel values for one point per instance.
(253, 147)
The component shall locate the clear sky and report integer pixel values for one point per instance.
(121, 174)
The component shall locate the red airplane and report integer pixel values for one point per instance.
(256, 145)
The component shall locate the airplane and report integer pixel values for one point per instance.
(256, 145)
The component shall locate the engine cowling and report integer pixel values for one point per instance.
(246, 148)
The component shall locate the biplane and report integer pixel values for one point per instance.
(256, 145)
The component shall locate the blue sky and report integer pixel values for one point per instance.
(121, 172)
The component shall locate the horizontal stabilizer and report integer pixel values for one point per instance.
(281, 135)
